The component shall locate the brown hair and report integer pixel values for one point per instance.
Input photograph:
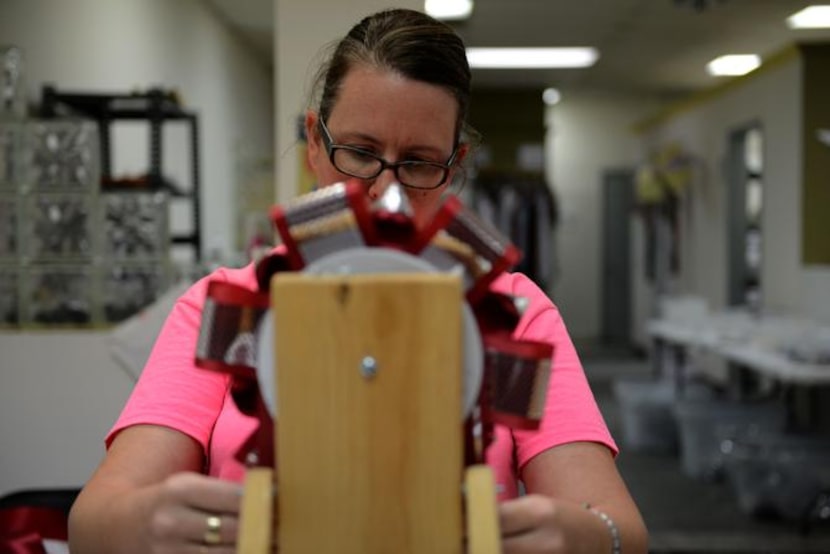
(407, 42)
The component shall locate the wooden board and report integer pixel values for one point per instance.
(256, 518)
(483, 535)
(369, 464)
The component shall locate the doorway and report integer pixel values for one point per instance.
(617, 203)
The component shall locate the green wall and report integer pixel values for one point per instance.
(816, 185)
(506, 119)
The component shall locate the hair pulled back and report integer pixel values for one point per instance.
(403, 41)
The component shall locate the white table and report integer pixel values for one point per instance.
(741, 346)
(754, 349)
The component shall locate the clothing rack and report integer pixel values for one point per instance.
(524, 208)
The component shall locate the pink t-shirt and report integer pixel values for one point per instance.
(173, 392)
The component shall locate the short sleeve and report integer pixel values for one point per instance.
(172, 391)
(571, 412)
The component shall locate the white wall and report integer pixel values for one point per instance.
(122, 45)
(587, 133)
(814, 292)
(773, 99)
(60, 392)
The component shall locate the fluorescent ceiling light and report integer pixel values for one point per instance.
(447, 10)
(551, 96)
(811, 17)
(531, 58)
(734, 64)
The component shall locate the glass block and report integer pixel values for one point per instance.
(9, 306)
(59, 295)
(8, 228)
(59, 226)
(136, 225)
(62, 154)
(129, 288)
(10, 155)
(12, 87)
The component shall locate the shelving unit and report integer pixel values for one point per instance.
(156, 107)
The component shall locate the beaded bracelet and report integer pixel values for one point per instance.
(616, 546)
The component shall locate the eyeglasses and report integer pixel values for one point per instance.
(360, 163)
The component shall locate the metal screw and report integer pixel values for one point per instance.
(368, 367)
(252, 458)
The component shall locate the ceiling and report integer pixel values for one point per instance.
(646, 46)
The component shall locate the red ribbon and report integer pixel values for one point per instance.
(23, 528)
(513, 381)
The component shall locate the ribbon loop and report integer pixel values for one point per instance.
(23, 528)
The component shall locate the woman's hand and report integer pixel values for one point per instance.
(529, 524)
(190, 512)
(148, 497)
(539, 524)
(553, 517)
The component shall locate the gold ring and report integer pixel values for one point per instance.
(213, 535)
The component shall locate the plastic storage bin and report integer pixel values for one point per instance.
(778, 474)
(646, 414)
(705, 424)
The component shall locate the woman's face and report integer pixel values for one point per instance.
(395, 118)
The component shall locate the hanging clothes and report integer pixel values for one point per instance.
(523, 207)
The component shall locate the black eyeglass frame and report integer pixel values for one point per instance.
(332, 147)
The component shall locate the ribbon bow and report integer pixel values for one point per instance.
(23, 528)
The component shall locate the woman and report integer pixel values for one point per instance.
(393, 102)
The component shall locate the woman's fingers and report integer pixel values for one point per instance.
(525, 514)
(204, 549)
(196, 513)
(528, 524)
(205, 493)
(183, 524)
(208, 528)
(532, 542)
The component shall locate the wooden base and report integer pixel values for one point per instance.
(483, 535)
(257, 529)
(368, 379)
(256, 525)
